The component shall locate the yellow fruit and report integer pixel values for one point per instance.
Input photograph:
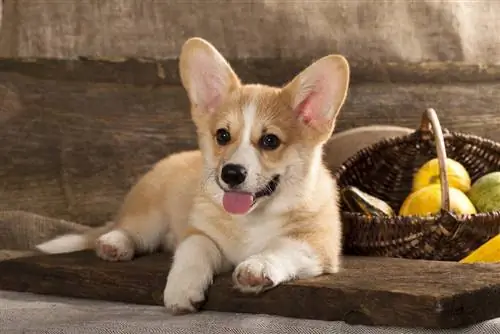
(458, 177)
(427, 201)
(488, 252)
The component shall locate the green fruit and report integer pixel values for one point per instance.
(361, 202)
(485, 193)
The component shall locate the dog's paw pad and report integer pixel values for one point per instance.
(115, 246)
(252, 276)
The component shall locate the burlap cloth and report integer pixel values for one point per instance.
(373, 31)
(46, 314)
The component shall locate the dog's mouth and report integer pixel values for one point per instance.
(239, 202)
(269, 189)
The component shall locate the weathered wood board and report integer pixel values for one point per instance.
(71, 149)
(270, 71)
(369, 291)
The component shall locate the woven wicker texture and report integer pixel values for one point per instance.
(385, 170)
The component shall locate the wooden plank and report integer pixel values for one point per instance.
(273, 71)
(369, 291)
(72, 149)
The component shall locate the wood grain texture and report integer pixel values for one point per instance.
(71, 150)
(272, 71)
(369, 291)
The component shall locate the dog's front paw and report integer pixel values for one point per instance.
(253, 275)
(115, 246)
(184, 293)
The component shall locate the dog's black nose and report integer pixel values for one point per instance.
(233, 174)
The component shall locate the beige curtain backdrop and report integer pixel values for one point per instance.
(375, 30)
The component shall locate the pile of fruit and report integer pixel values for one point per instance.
(425, 199)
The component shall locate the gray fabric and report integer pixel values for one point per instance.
(26, 313)
(365, 31)
(20, 231)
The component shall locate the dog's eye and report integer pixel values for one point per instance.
(223, 137)
(269, 142)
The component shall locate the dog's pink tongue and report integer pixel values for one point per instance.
(237, 203)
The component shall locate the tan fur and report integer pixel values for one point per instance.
(293, 233)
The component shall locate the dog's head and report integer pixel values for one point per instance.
(258, 139)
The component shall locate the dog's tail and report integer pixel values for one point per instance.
(73, 242)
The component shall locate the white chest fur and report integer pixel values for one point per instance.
(242, 237)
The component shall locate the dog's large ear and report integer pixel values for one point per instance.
(318, 92)
(205, 74)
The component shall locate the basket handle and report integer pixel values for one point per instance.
(430, 123)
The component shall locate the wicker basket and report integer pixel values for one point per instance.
(385, 170)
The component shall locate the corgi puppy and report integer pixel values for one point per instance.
(255, 198)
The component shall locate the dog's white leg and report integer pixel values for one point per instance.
(284, 260)
(196, 260)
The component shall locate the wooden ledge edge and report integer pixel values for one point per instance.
(356, 296)
(273, 71)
